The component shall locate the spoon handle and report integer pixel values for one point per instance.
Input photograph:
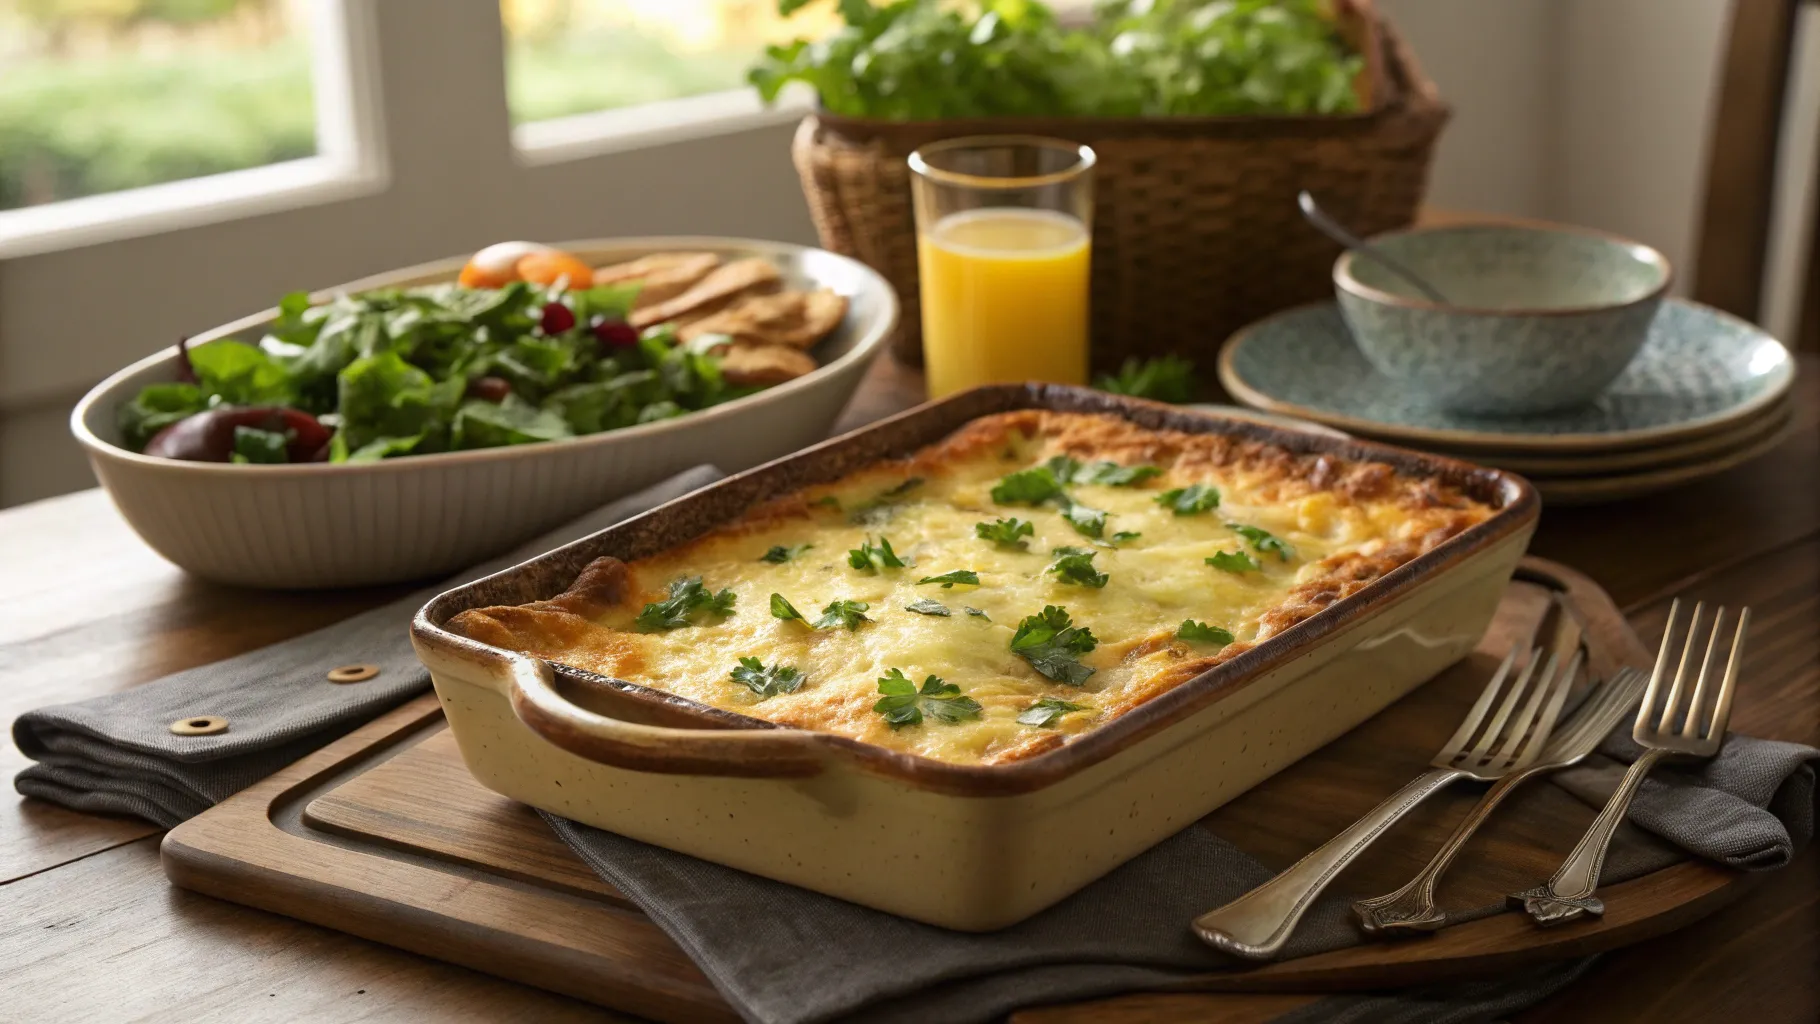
(1333, 229)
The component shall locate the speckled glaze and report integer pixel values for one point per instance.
(1541, 318)
(1698, 371)
(851, 819)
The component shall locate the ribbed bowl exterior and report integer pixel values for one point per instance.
(317, 526)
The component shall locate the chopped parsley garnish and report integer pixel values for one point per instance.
(843, 613)
(1053, 644)
(1263, 541)
(1191, 500)
(976, 613)
(1046, 712)
(1006, 533)
(687, 597)
(1110, 474)
(1075, 565)
(1027, 487)
(1201, 633)
(903, 704)
(871, 557)
(829, 500)
(1088, 522)
(780, 554)
(1165, 379)
(767, 682)
(924, 606)
(1124, 536)
(1233, 561)
(949, 579)
(784, 610)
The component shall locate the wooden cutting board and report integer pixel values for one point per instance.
(385, 834)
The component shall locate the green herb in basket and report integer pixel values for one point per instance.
(911, 60)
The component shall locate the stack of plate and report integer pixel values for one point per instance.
(1707, 392)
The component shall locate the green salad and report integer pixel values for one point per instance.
(415, 371)
(913, 60)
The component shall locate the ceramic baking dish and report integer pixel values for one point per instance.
(986, 846)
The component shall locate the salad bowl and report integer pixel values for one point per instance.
(318, 525)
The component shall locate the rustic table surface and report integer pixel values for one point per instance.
(90, 929)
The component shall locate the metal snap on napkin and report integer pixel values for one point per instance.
(353, 673)
(199, 725)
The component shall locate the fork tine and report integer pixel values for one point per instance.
(1729, 685)
(1645, 709)
(1551, 715)
(1495, 727)
(1470, 723)
(1514, 735)
(1690, 727)
(1617, 698)
(1672, 706)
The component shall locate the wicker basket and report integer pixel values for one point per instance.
(1195, 229)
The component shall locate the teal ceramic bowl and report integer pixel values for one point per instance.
(1544, 317)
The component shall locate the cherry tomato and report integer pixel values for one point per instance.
(553, 265)
(489, 389)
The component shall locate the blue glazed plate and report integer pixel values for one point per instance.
(1700, 370)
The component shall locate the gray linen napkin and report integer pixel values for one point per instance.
(115, 753)
(783, 955)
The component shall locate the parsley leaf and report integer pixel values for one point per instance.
(1088, 522)
(976, 613)
(1052, 644)
(903, 704)
(924, 606)
(1046, 712)
(1006, 533)
(784, 610)
(1027, 487)
(779, 555)
(1233, 561)
(949, 579)
(1191, 500)
(1165, 379)
(1075, 565)
(871, 558)
(1201, 633)
(687, 596)
(1111, 474)
(843, 613)
(829, 500)
(1262, 541)
(1123, 536)
(767, 682)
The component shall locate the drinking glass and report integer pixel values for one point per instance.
(1004, 242)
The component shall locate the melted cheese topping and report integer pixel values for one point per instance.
(1157, 580)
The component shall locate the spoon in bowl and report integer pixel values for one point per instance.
(1312, 212)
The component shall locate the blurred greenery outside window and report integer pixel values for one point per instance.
(568, 57)
(99, 96)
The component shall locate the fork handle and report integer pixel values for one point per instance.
(1411, 909)
(1257, 925)
(1569, 895)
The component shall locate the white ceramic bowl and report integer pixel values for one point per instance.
(322, 525)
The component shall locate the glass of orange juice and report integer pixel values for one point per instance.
(1004, 239)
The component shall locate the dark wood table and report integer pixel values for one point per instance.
(90, 929)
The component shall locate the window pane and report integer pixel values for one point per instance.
(102, 95)
(577, 56)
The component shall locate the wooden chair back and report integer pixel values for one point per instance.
(1745, 141)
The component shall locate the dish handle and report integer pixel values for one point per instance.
(752, 753)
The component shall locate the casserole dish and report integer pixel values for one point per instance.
(986, 844)
(334, 525)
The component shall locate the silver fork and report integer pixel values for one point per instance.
(1256, 925)
(1569, 895)
(1412, 909)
